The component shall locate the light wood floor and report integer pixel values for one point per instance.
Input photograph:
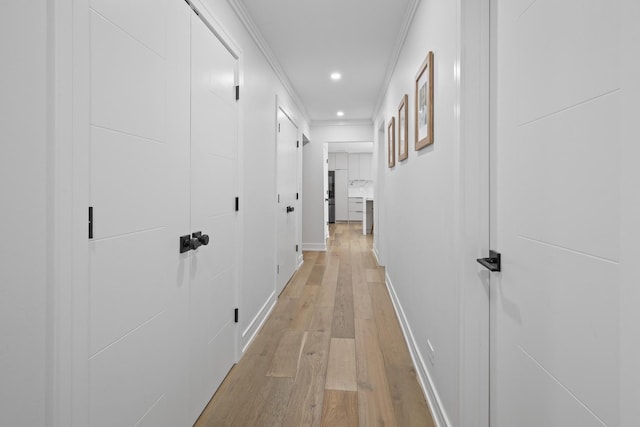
(331, 353)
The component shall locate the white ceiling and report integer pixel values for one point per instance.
(310, 39)
(350, 147)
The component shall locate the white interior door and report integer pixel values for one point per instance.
(214, 116)
(287, 161)
(138, 283)
(555, 327)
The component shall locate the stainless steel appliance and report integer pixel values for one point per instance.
(331, 197)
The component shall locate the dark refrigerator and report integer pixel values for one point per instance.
(331, 197)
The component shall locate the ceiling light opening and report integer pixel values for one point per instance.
(340, 113)
(336, 76)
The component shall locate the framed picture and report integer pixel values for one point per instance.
(403, 130)
(391, 142)
(424, 104)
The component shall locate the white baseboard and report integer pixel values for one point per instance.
(426, 382)
(300, 260)
(258, 320)
(314, 247)
(377, 256)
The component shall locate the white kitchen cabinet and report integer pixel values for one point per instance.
(365, 163)
(354, 166)
(332, 161)
(342, 161)
(355, 208)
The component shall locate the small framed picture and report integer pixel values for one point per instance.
(424, 104)
(403, 129)
(391, 142)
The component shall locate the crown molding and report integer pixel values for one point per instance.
(395, 54)
(243, 14)
(362, 122)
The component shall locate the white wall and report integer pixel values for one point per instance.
(431, 219)
(24, 191)
(259, 88)
(313, 208)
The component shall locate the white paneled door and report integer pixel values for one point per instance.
(214, 116)
(287, 187)
(555, 306)
(162, 165)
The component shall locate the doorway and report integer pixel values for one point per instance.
(287, 194)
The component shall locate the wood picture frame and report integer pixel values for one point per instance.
(403, 129)
(391, 143)
(424, 104)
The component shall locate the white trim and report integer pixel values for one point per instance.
(314, 247)
(300, 261)
(216, 27)
(426, 382)
(395, 54)
(258, 320)
(362, 122)
(377, 256)
(244, 16)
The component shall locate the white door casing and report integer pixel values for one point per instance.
(286, 187)
(555, 306)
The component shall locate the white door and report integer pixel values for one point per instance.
(555, 320)
(162, 165)
(138, 283)
(214, 116)
(287, 213)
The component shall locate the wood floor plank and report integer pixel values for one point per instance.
(340, 408)
(410, 406)
(285, 359)
(374, 275)
(341, 370)
(375, 407)
(304, 311)
(362, 308)
(343, 326)
(305, 403)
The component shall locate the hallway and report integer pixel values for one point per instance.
(331, 353)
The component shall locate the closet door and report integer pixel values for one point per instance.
(214, 118)
(138, 283)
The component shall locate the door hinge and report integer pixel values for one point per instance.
(297, 196)
(237, 204)
(296, 248)
(235, 315)
(91, 222)
(297, 144)
(278, 127)
(278, 198)
(278, 269)
(237, 92)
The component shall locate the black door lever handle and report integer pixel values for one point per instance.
(290, 209)
(493, 263)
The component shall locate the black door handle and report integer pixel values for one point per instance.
(493, 263)
(202, 238)
(290, 209)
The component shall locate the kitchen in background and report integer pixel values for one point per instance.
(351, 185)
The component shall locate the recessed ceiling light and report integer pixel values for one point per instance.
(336, 76)
(340, 113)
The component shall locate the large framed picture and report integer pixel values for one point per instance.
(403, 130)
(424, 104)
(391, 142)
